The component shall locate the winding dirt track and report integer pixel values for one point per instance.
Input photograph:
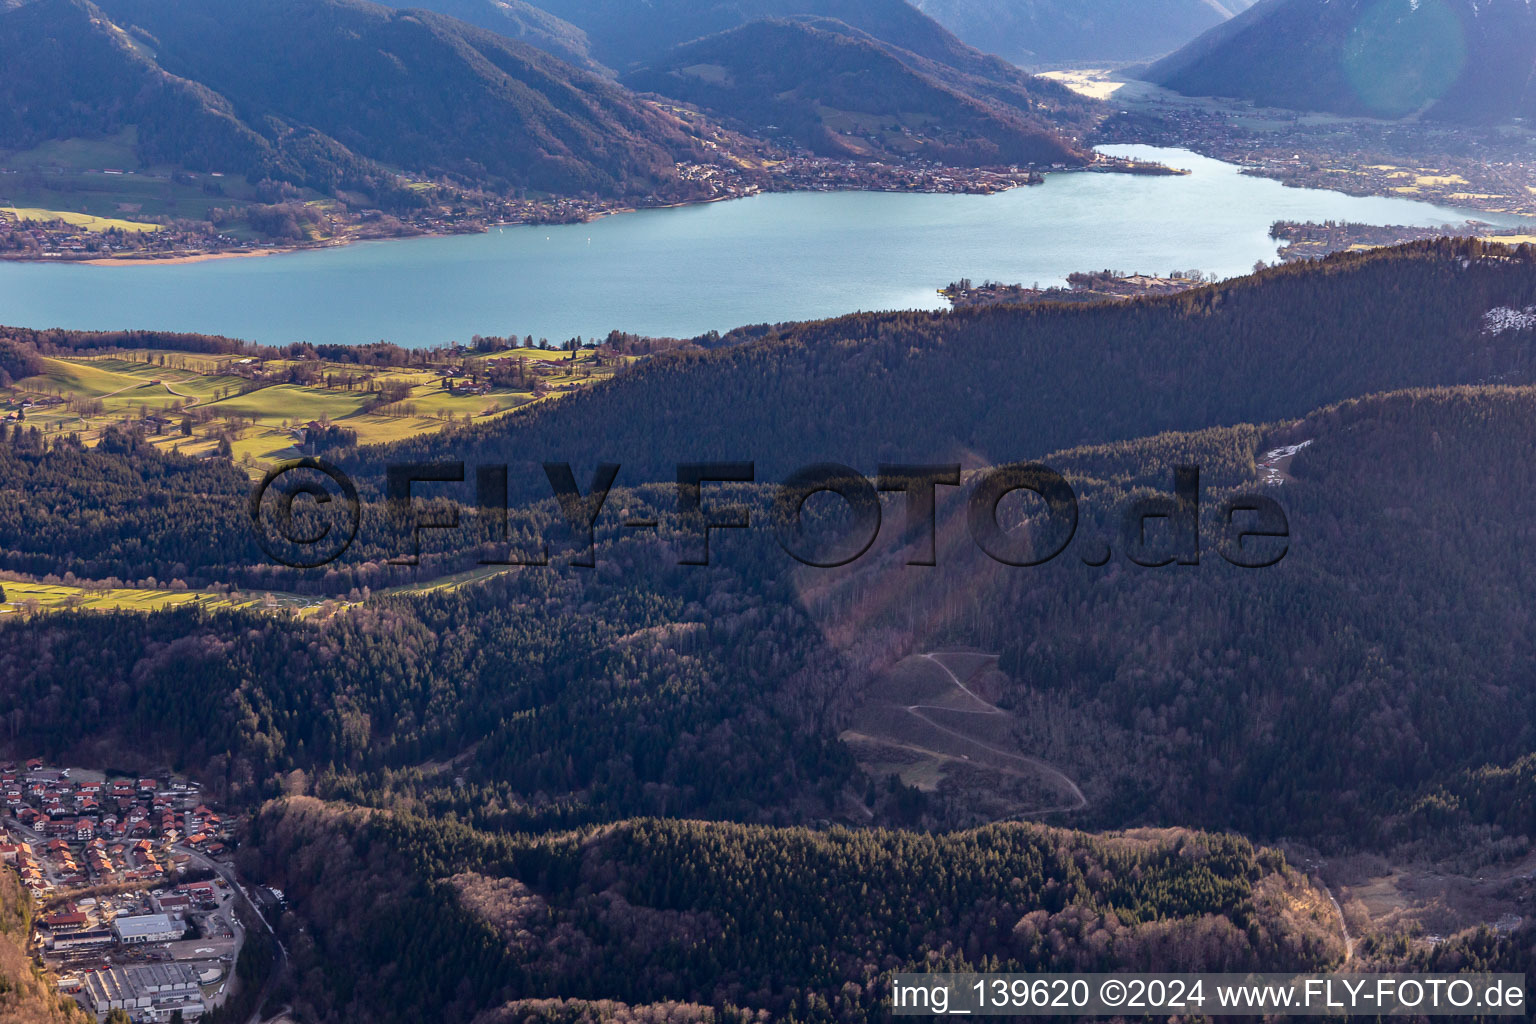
(1035, 765)
(191, 399)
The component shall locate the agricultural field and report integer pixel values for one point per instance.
(197, 404)
(131, 197)
(30, 598)
(115, 151)
(98, 184)
(89, 222)
(260, 413)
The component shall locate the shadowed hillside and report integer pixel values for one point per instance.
(686, 921)
(995, 385)
(624, 33)
(842, 93)
(332, 94)
(1445, 60)
(1043, 31)
(518, 20)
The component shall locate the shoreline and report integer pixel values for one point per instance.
(272, 249)
(1299, 149)
(172, 261)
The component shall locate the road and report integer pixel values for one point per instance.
(227, 873)
(191, 399)
(35, 838)
(991, 708)
(1349, 940)
(1079, 801)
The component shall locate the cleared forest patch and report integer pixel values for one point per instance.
(929, 723)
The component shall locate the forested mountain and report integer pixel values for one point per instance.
(118, 510)
(688, 921)
(903, 387)
(994, 385)
(567, 697)
(625, 33)
(639, 788)
(843, 93)
(73, 73)
(519, 20)
(502, 738)
(813, 86)
(1497, 796)
(1393, 613)
(1048, 31)
(331, 94)
(564, 697)
(556, 699)
(1467, 61)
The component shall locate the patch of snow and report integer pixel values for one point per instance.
(1502, 319)
(1273, 464)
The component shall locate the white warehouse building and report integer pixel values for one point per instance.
(147, 928)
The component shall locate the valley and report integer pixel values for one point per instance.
(684, 272)
(1481, 169)
(503, 522)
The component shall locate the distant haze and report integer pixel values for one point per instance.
(1464, 61)
(1060, 31)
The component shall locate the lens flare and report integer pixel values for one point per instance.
(1404, 55)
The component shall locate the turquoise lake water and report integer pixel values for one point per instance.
(688, 270)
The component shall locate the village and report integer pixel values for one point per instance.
(1104, 285)
(136, 906)
(1478, 167)
(82, 217)
(1305, 241)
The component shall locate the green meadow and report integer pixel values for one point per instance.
(262, 416)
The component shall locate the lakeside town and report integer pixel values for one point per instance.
(136, 903)
(293, 223)
(1486, 168)
(1097, 286)
(1311, 240)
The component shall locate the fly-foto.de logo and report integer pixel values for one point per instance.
(307, 513)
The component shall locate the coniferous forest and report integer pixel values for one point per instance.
(500, 524)
(643, 790)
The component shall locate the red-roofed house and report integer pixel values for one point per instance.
(66, 922)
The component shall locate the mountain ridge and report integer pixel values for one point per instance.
(1457, 61)
(625, 33)
(519, 20)
(1056, 31)
(331, 94)
(856, 97)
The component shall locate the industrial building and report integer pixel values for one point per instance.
(148, 928)
(153, 992)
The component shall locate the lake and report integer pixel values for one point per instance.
(688, 270)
